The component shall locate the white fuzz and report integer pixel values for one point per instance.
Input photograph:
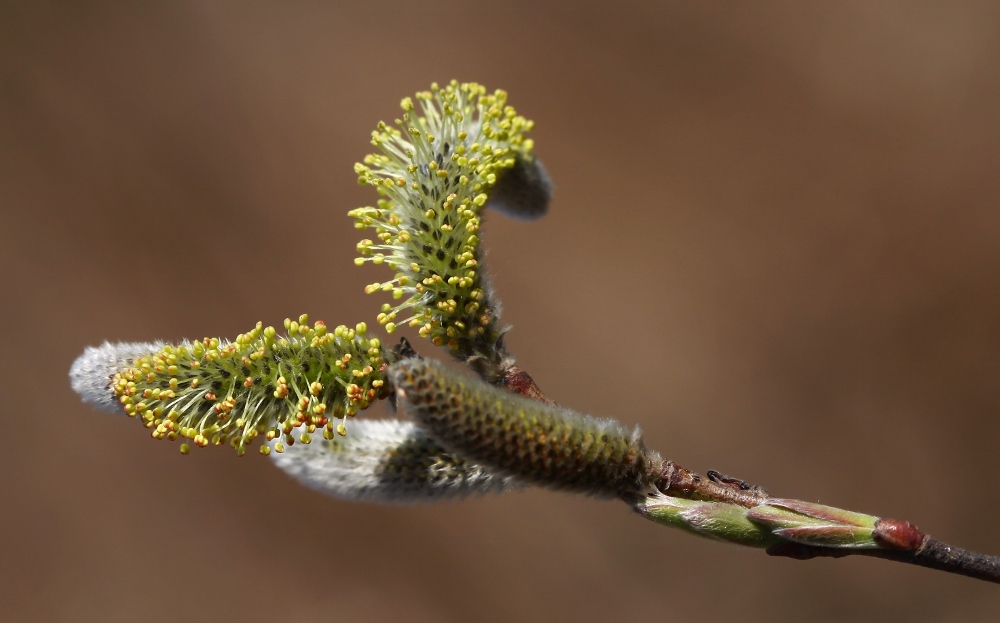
(386, 461)
(91, 373)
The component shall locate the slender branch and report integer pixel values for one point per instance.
(920, 549)
(934, 554)
(681, 482)
(894, 540)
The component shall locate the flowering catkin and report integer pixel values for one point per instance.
(434, 175)
(524, 438)
(212, 391)
(387, 461)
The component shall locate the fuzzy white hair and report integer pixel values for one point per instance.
(91, 373)
(387, 461)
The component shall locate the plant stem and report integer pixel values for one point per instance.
(889, 539)
(931, 553)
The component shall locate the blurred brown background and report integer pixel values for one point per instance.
(775, 244)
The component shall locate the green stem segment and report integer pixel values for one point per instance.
(804, 530)
(770, 524)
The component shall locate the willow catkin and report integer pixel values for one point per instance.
(524, 438)
(388, 461)
(217, 392)
(434, 170)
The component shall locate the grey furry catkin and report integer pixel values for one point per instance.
(387, 461)
(516, 436)
(90, 375)
(523, 191)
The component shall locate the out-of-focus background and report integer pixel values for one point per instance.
(775, 243)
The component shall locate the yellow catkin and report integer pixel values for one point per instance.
(434, 171)
(220, 392)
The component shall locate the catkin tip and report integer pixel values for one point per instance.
(91, 374)
(523, 192)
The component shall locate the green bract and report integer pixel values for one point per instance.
(434, 174)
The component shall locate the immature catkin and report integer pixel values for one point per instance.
(387, 461)
(517, 436)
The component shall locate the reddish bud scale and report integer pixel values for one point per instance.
(896, 534)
